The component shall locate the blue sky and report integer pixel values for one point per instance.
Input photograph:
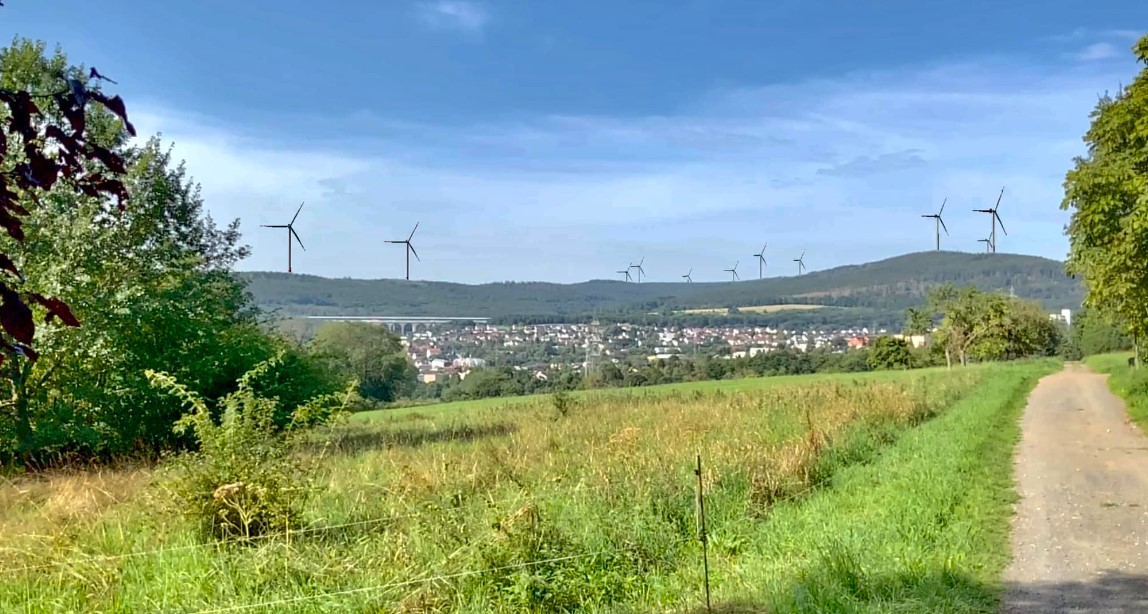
(561, 140)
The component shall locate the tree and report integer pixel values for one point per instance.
(153, 285)
(51, 143)
(1092, 333)
(890, 353)
(989, 325)
(1107, 191)
(918, 321)
(369, 353)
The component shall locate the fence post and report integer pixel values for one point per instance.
(701, 522)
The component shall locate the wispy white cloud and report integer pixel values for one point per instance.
(1097, 51)
(462, 15)
(841, 167)
(1078, 34)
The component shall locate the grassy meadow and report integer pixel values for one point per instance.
(752, 309)
(878, 492)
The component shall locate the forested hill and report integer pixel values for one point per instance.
(885, 286)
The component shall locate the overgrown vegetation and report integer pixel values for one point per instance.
(243, 479)
(793, 467)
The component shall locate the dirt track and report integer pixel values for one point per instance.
(1080, 536)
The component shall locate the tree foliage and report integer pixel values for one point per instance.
(890, 353)
(369, 353)
(50, 144)
(152, 284)
(989, 326)
(1107, 192)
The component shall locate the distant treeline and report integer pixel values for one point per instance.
(883, 288)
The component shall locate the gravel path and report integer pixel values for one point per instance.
(1080, 534)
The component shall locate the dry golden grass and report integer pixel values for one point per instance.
(478, 489)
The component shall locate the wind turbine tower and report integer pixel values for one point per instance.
(996, 218)
(641, 271)
(733, 271)
(761, 262)
(290, 226)
(410, 249)
(940, 223)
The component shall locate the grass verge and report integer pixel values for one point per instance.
(924, 528)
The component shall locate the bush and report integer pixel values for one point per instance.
(243, 480)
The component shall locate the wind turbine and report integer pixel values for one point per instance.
(625, 272)
(689, 280)
(638, 266)
(800, 262)
(761, 261)
(410, 249)
(988, 244)
(290, 226)
(940, 223)
(995, 219)
(733, 271)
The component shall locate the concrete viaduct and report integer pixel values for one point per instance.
(401, 324)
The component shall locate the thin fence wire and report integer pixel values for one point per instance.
(278, 534)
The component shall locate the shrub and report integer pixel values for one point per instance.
(243, 481)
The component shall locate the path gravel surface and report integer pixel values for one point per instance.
(1080, 534)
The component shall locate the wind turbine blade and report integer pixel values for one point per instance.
(292, 231)
(412, 235)
(1000, 222)
(942, 221)
(272, 225)
(412, 248)
(943, 205)
(996, 206)
(297, 213)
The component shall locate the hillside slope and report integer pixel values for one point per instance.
(885, 286)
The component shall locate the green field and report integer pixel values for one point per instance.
(876, 492)
(752, 309)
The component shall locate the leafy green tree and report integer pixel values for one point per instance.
(369, 353)
(57, 137)
(918, 321)
(1092, 333)
(154, 288)
(1107, 191)
(890, 353)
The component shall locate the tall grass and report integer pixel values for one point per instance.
(453, 511)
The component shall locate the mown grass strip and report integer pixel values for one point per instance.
(922, 528)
